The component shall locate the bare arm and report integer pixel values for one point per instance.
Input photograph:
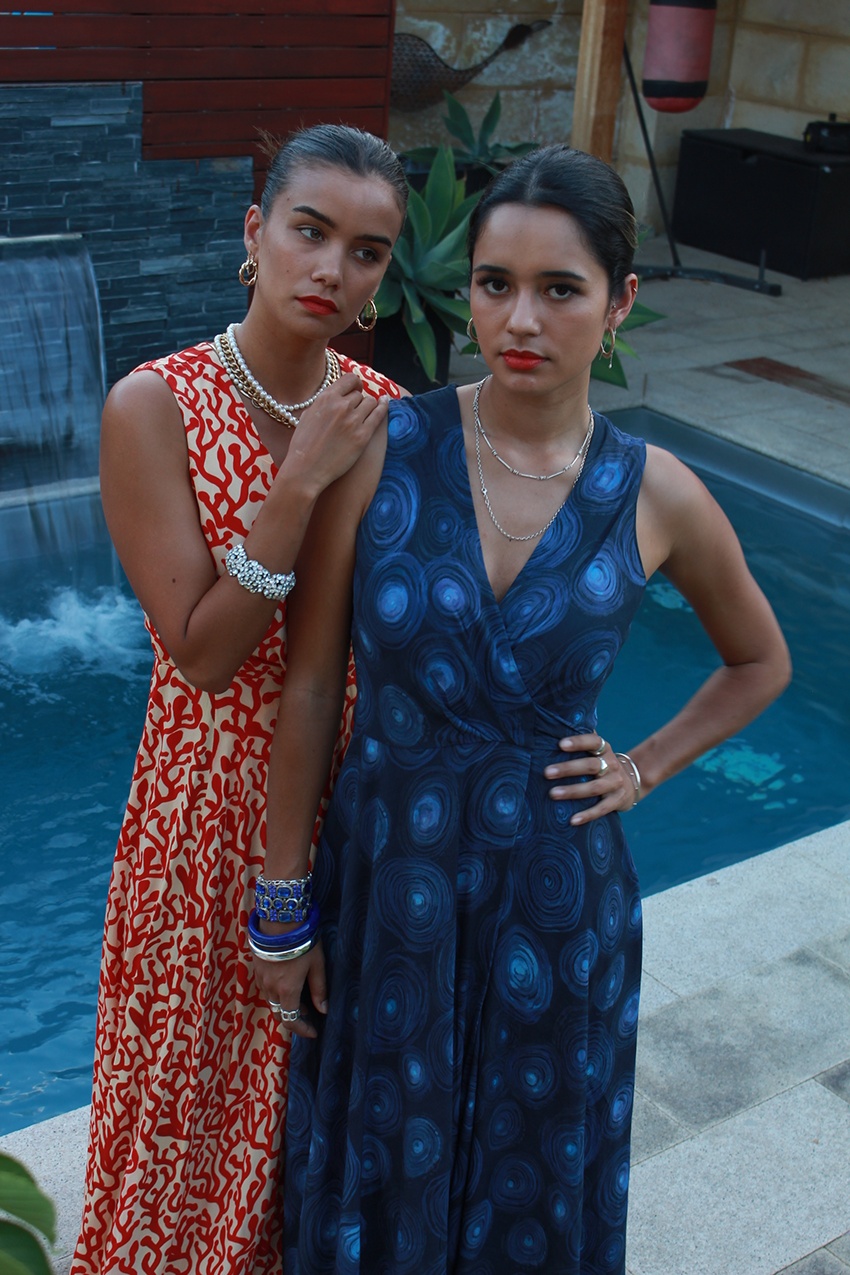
(318, 638)
(683, 532)
(211, 625)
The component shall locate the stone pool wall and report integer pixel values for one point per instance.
(165, 236)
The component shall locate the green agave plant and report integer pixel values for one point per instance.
(474, 150)
(20, 1251)
(429, 262)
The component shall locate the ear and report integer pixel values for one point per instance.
(623, 302)
(253, 226)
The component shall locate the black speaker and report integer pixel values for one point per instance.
(739, 192)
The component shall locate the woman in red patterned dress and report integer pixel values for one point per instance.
(221, 445)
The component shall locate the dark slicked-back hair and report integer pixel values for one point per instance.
(584, 187)
(332, 146)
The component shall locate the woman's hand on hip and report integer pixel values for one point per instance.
(282, 984)
(333, 433)
(601, 775)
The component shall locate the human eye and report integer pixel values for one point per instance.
(560, 291)
(313, 233)
(494, 285)
(367, 254)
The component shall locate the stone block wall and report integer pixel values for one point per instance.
(776, 65)
(536, 81)
(164, 236)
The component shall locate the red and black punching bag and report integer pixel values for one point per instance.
(678, 53)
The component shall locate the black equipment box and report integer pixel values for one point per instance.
(739, 192)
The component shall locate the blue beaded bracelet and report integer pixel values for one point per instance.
(282, 942)
(286, 900)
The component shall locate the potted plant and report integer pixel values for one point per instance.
(428, 268)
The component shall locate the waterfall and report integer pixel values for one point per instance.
(52, 387)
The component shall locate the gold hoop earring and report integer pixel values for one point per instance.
(609, 353)
(473, 335)
(248, 271)
(367, 327)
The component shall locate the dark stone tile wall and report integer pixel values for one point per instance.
(165, 236)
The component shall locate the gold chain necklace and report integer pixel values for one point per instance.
(243, 378)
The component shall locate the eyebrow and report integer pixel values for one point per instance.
(544, 274)
(313, 212)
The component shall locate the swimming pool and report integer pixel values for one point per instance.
(74, 670)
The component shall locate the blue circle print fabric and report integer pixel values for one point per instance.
(466, 1108)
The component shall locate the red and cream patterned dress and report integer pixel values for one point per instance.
(190, 1065)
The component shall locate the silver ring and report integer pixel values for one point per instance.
(603, 767)
(597, 752)
(274, 1006)
(290, 1015)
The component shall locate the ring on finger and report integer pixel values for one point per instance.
(597, 752)
(290, 1015)
(603, 767)
(274, 1006)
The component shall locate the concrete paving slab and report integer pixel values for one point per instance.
(708, 1056)
(54, 1151)
(836, 948)
(821, 1262)
(747, 1197)
(653, 1130)
(841, 1247)
(653, 995)
(748, 913)
(837, 1079)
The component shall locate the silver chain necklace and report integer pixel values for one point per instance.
(231, 356)
(581, 456)
(542, 478)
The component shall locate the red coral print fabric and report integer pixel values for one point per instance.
(190, 1073)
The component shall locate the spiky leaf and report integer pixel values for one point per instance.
(614, 375)
(462, 213)
(439, 193)
(22, 1199)
(19, 1250)
(639, 315)
(388, 298)
(420, 218)
(488, 125)
(458, 122)
(413, 306)
(402, 259)
(421, 154)
(424, 343)
(453, 312)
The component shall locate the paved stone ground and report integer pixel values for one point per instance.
(682, 368)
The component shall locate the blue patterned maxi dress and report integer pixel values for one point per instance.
(466, 1109)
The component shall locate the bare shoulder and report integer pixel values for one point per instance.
(676, 513)
(141, 411)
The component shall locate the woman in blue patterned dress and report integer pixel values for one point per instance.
(461, 1102)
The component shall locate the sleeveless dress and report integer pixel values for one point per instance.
(190, 1066)
(466, 1109)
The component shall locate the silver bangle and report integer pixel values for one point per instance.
(254, 577)
(624, 757)
(289, 954)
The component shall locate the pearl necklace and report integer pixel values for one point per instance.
(581, 455)
(231, 356)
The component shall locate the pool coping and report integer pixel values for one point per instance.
(700, 1187)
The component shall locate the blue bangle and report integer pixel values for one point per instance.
(281, 942)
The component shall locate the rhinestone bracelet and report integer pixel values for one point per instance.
(285, 900)
(254, 577)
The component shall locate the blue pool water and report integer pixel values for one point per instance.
(74, 670)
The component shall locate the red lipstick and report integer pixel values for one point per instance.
(522, 360)
(319, 305)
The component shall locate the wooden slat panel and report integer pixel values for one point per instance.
(206, 150)
(258, 95)
(233, 32)
(51, 65)
(188, 128)
(247, 8)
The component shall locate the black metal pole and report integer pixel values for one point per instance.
(651, 157)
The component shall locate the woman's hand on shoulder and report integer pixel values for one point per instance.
(332, 434)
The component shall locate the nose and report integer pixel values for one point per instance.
(524, 318)
(328, 269)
